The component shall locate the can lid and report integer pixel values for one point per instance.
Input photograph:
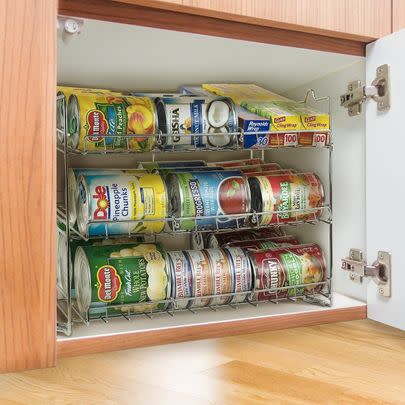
(73, 121)
(82, 280)
(83, 205)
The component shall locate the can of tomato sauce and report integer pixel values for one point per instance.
(241, 273)
(295, 197)
(202, 277)
(288, 267)
(102, 121)
(263, 244)
(182, 278)
(215, 240)
(204, 200)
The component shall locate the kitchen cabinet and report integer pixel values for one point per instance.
(135, 48)
(359, 19)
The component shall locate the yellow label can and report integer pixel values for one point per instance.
(106, 121)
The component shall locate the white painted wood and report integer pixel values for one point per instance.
(128, 57)
(348, 173)
(204, 316)
(145, 59)
(385, 168)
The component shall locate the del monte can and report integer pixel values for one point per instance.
(112, 275)
(102, 121)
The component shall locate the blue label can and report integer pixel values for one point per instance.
(197, 122)
(208, 200)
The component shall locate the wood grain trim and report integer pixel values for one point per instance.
(81, 346)
(28, 184)
(398, 15)
(358, 20)
(179, 21)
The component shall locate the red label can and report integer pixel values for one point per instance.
(292, 196)
(288, 267)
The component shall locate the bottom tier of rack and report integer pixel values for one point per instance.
(121, 333)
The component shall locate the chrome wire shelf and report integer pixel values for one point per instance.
(246, 221)
(321, 294)
(318, 293)
(263, 140)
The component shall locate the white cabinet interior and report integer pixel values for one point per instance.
(124, 57)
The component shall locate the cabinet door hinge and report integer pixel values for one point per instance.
(379, 271)
(378, 91)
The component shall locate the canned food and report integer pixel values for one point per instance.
(73, 191)
(263, 244)
(62, 282)
(204, 199)
(222, 275)
(121, 204)
(97, 121)
(182, 278)
(238, 163)
(119, 275)
(292, 196)
(215, 240)
(202, 277)
(242, 273)
(62, 97)
(288, 267)
(185, 115)
(171, 165)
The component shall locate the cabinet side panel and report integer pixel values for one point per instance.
(348, 169)
(27, 183)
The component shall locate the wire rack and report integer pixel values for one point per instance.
(320, 294)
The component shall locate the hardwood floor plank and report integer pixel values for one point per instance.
(355, 363)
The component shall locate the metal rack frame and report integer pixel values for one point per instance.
(68, 311)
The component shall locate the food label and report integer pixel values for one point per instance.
(291, 195)
(202, 277)
(212, 194)
(104, 114)
(109, 283)
(126, 274)
(289, 267)
(117, 198)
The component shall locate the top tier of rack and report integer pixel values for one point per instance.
(240, 140)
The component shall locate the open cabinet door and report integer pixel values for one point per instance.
(385, 179)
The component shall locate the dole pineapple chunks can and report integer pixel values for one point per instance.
(121, 204)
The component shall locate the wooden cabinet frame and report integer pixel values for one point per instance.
(28, 171)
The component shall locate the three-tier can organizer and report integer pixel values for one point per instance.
(319, 293)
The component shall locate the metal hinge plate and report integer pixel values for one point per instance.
(378, 91)
(379, 271)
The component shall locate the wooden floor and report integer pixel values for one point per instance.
(358, 362)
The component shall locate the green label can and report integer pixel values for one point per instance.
(119, 275)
